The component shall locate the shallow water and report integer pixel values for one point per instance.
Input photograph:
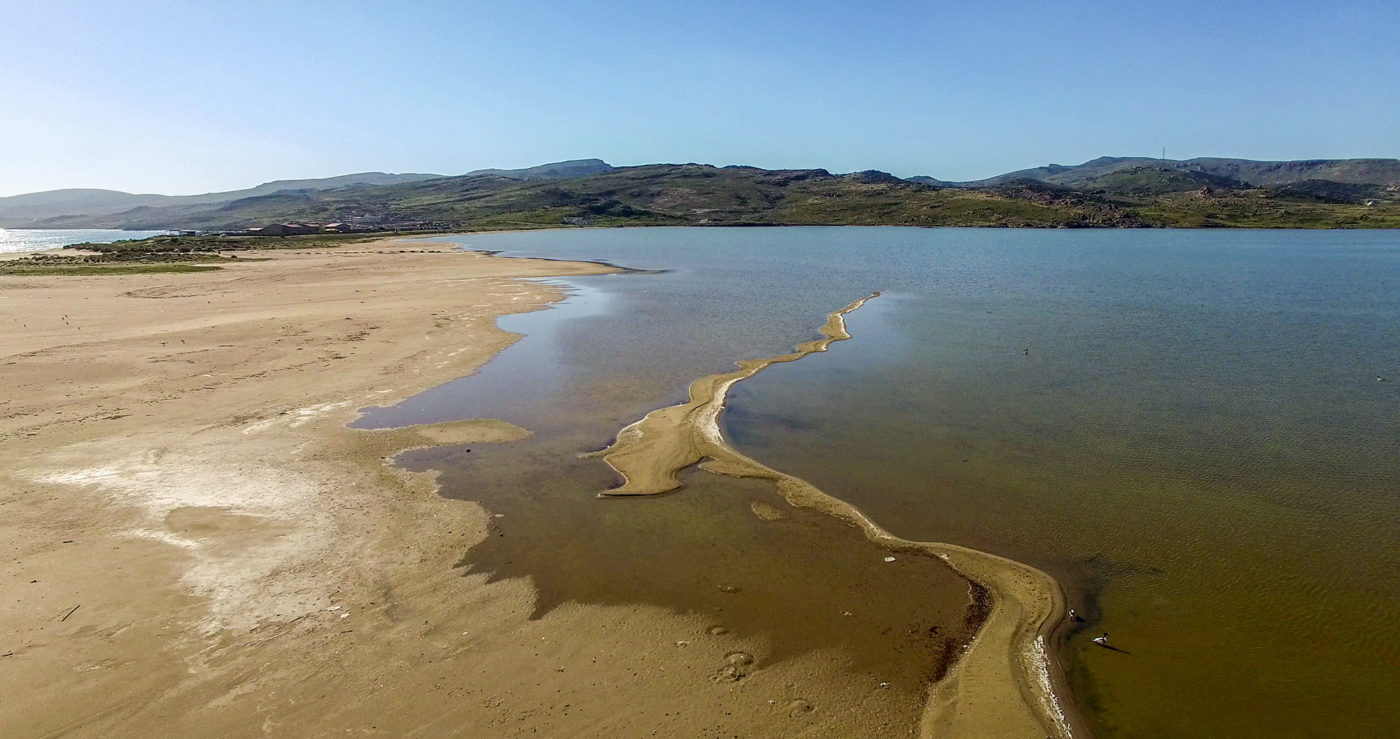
(1184, 427)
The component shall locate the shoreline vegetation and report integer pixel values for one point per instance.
(1007, 663)
(164, 254)
(116, 433)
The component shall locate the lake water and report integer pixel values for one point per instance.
(31, 239)
(1196, 432)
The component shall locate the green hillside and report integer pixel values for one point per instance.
(1107, 192)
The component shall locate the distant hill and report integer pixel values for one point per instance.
(1347, 171)
(1155, 181)
(88, 207)
(1071, 175)
(324, 183)
(571, 168)
(658, 194)
(111, 209)
(20, 210)
(1244, 171)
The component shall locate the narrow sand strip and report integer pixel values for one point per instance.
(1001, 686)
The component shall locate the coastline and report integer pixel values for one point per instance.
(1007, 665)
(241, 523)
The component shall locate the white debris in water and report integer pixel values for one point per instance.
(889, 559)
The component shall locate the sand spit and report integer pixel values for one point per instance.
(1001, 685)
(650, 453)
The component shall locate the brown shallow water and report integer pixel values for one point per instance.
(793, 580)
(879, 611)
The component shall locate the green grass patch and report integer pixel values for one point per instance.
(117, 263)
(19, 268)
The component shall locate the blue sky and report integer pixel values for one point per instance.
(185, 97)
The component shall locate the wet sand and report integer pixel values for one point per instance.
(199, 545)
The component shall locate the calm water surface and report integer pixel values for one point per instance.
(1185, 427)
(33, 239)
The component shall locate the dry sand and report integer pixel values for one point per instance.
(197, 545)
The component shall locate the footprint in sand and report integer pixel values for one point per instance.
(766, 511)
(737, 666)
(798, 707)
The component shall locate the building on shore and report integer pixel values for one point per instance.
(288, 229)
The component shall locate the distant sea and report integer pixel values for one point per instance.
(30, 239)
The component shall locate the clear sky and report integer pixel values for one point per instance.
(186, 97)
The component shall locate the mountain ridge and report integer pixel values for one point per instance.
(1103, 192)
(1248, 171)
(34, 209)
(19, 211)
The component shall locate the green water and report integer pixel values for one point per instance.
(1184, 427)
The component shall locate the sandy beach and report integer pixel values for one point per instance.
(198, 544)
